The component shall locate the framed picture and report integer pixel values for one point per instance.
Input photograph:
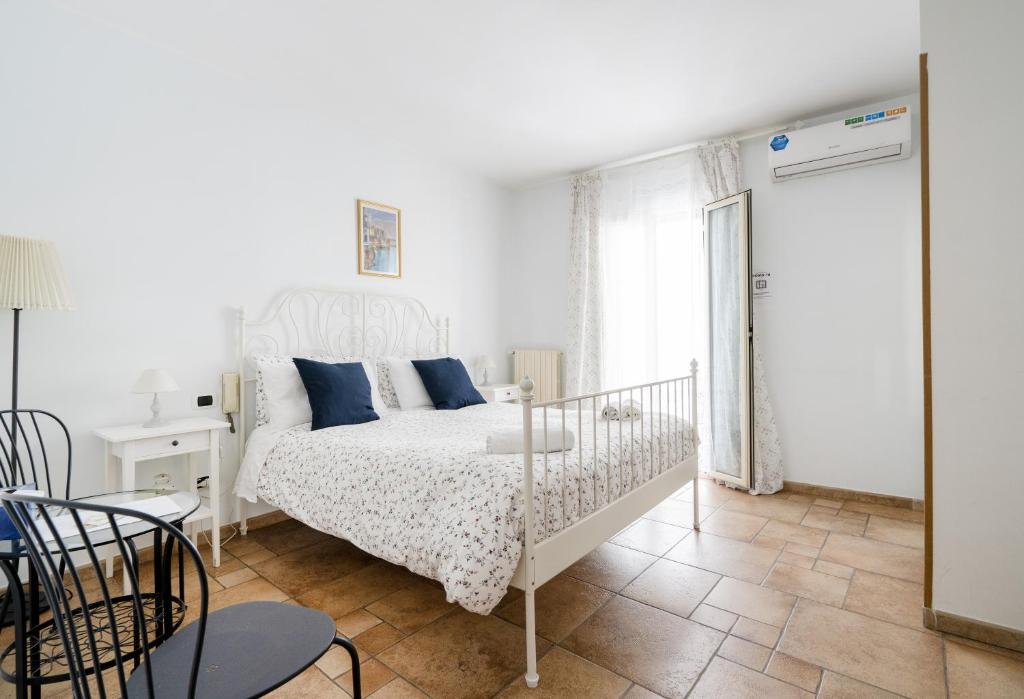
(380, 239)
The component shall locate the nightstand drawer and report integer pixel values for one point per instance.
(503, 394)
(171, 444)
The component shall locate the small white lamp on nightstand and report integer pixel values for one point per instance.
(483, 363)
(155, 381)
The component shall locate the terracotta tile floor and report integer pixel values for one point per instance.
(781, 595)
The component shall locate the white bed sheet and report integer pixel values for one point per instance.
(417, 488)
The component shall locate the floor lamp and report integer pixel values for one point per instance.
(31, 278)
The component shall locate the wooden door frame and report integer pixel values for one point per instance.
(926, 327)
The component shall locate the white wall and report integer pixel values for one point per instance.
(974, 59)
(840, 335)
(175, 193)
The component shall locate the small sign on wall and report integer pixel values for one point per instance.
(761, 284)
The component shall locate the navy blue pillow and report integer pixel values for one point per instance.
(447, 383)
(339, 394)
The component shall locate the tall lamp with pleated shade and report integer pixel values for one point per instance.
(31, 278)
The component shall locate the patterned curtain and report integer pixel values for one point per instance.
(721, 164)
(584, 351)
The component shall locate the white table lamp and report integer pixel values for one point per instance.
(483, 363)
(155, 381)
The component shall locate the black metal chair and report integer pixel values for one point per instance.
(245, 650)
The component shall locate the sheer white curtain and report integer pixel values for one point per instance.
(650, 252)
(584, 354)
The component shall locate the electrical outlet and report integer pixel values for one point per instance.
(205, 400)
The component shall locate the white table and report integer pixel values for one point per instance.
(191, 437)
(499, 392)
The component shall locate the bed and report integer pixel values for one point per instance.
(419, 489)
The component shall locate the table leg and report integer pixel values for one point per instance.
(17, 600)
(215, 493)
(110, 474)
(33, 614)
(193, 478)
(127, 483)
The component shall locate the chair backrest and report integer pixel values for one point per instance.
(33, 444)
(118, 631)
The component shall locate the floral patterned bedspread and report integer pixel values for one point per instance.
(417, 488)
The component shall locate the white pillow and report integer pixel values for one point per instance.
(408, 385)
(286, 401)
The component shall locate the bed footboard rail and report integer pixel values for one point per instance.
(598, 457)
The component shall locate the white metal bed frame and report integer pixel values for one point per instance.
(359, 324)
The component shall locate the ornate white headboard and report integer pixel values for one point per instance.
(340, 323)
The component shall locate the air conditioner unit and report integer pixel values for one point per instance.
(864, 139)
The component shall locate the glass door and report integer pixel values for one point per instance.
(727, 243)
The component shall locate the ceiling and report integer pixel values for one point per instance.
(527, 90)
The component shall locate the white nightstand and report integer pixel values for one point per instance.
(192, 437)
(499, 392)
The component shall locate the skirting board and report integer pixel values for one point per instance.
(992, 634)
(824, 491)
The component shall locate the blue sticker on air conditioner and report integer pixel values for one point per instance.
(780, 142)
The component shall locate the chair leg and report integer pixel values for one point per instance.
(357, 685)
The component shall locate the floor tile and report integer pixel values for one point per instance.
(258, 590)
(287, 536)
(836, 569)
(795, 559)
(710, 494)
(638, 692)
(800, 497)
(827, 589)
(646, 535)
(462, 655)
(563, 674)
(238, 577)
(835, 686)
(674, 587)
(335, 662)
(886, 655)
(413, 607)
(562, 604)
(714, 617)
(723, 555)
(794, 671)
(770, 506)
(978, 673)
(765, 634)
(610, 566)
(745, 653)
(398, 689)
(826, 502)
(653, 648)
(727, 679)
(833, 522)
(379, 638)
(373, 674)
(311, 566)
(896, 531)
(875, 556)
(354, 623)
(677, 512)
(795, 533)
(886, 598)
(735, 525)
(311, 683)
(358, 589)
(885, 511)
(801, 549)
(754, 602)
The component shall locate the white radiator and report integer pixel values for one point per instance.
(544, 367)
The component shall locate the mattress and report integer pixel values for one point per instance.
(418, 489)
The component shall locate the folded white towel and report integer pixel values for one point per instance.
(510, 440)
(627, 410)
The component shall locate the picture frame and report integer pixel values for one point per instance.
(378, 239)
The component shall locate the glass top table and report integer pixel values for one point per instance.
(186, 502)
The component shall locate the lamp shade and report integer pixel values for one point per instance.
(155, 381)
(31, 275)
(485, 362)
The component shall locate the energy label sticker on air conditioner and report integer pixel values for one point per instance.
(780, 142)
